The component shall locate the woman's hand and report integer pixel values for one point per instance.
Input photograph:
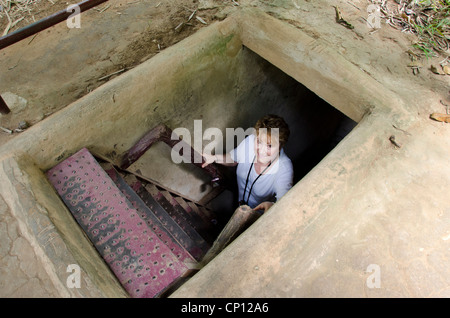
(224, 159)
(264, 206)
(209, 159)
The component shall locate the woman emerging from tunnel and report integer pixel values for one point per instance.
(264, 172)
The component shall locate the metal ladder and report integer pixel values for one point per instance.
(150, 238)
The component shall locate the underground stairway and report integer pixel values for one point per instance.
(152, 240)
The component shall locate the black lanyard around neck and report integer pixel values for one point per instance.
(246, 182)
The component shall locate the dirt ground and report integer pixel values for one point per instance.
(117, 36)
(50, 70)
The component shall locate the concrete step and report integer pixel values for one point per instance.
(142, 263)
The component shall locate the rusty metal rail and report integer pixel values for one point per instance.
(164, 134)
(45, 23)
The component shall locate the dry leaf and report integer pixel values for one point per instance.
(341, 20)
(446, 69)
(435, 70)
(440, 117)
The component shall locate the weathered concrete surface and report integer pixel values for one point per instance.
(387, 209)
(43, 241)
(56, 239)
(18, 260)
(367, 203)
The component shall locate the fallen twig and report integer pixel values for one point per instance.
(192, 15)
(5, 32)
(201, 20)
(353, 5)
(341, 20)
(407, 133)
(392, 140)
(105, 8)
(428, 20)
(179, 26)
(109, 75)
(6, 130)
(17, 21)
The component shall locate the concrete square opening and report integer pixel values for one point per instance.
(228, 75)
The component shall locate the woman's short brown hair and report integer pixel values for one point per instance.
(274, 121)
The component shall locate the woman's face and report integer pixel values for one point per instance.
(267, 146)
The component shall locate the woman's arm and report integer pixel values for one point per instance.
(224, 159)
